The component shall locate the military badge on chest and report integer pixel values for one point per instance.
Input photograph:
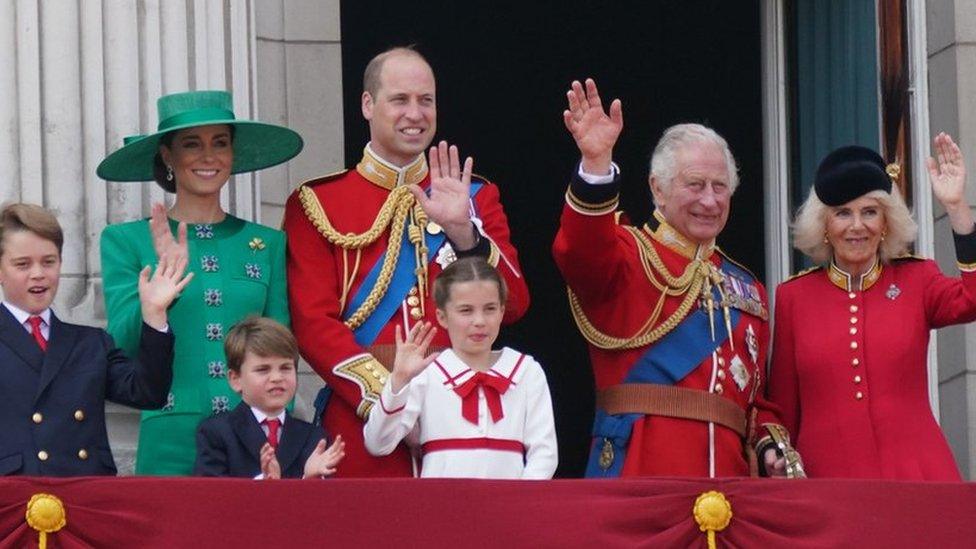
(740, 375)
(752, 343)
(743, 295)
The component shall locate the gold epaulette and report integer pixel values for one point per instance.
(804, 272)
(909, 257)
(319, 179)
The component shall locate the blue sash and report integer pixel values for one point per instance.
(666, 362)
(403, 279)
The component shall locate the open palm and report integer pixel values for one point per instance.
(947, 171)
(594, 130)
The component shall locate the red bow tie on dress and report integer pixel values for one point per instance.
(493, 386)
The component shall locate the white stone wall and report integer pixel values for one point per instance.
(951, 37)
(75, 77)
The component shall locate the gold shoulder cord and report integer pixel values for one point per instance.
(698, 275)
(394, 213)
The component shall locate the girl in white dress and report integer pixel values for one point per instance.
(468, 411)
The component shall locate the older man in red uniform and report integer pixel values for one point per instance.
(677, 331)
(365, 245)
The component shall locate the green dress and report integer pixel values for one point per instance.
(239, 270)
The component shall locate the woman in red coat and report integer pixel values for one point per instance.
(851, 337)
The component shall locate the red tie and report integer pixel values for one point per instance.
(35, 323)
(493, 386)
(273, 425)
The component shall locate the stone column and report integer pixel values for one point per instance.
(78, 76)
(951, 45)
(299, 84)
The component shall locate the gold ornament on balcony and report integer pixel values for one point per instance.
(713, 513)
(45, 513)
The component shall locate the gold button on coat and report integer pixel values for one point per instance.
(37, 417)
(853, 330)
(853, 308)
(718, 388)
(721, 374)
(42, 455)
(855, 362)
(859, 395)
(415, 313)
(413, 301)
(852, 295)
(79, 415)
(853, 345)
(82, 454)
(857, 379)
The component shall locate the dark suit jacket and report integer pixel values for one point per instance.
(229, 445)
(52, 404)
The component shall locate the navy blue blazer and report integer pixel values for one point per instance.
(229, 445)
(52, 416)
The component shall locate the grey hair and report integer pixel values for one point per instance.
(664, 161)
(810, 226)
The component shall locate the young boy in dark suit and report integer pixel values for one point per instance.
(55, 376)
(259, 438)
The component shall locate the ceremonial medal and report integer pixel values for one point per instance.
(893, 292)
(739, 373)
(752, 343)
(445, 255)
(433, 228)
(606, 454)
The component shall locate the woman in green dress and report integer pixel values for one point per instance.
(239, 266)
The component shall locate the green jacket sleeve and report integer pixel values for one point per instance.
(120, 283)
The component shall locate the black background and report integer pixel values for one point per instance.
(502, 71)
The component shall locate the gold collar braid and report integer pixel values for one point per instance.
(394, 213)
(695, 282)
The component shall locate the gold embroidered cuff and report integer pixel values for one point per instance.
(966, 267)
(369, 374)
(587, 208)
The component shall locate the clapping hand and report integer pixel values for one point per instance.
(162, 237)
(269, 463)
(450, 192)
(947, 173)
(411, 354)
(594, 130)
(158, 291)
(323, 461)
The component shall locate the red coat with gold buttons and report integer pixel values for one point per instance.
(319, 272)
(849, 368)
(603, 264)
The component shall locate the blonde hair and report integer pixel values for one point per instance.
(262, 336)
(810, 226)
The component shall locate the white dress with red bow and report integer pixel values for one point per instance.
(467, 424)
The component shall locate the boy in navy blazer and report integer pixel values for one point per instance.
(55, 376)
(259, 438)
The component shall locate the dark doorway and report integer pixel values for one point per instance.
(502, 72)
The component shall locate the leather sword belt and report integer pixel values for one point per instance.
(668, 401)
(385, 353)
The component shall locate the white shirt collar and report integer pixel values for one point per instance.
(261, 416)
(22, 315)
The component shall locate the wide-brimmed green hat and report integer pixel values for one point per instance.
(256, 145)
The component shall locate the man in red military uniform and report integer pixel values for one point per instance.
(364, 246)
(678, 332)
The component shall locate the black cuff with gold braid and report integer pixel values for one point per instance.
(965, 250)
(779, 439)
(591, 199)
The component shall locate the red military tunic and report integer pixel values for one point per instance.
(848, 368)
(603, 264)
(323, 278)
